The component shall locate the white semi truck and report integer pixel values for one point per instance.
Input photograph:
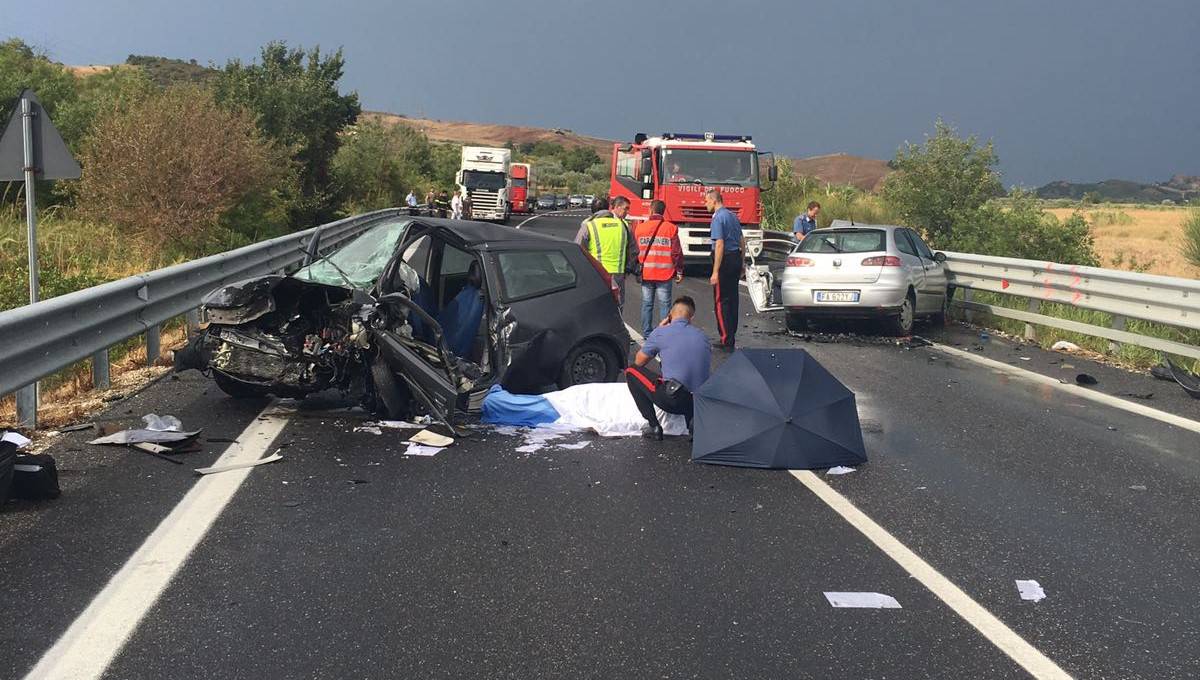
(484, 181)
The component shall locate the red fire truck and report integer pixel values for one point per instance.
(677, 168)
(520, 192)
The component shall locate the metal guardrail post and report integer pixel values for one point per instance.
(153, 344)
(1035, 305)
(192, 319)
(27, 406)
(1118, 323)
(100, 376)
(968, 296)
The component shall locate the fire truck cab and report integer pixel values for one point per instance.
(677, 168)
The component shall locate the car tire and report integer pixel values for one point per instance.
(901, 324)
(796, 322)
(238, 389)
(589, 362)
(393, 401)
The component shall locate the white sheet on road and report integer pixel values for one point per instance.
(862, 600)
(1030, 590)
(608, 409)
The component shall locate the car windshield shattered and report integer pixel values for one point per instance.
(360, 262)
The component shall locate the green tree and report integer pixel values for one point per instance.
(21, 66)
(294, 96)
(579, 159)
(936, 181)
(378, 164)
(114, 90)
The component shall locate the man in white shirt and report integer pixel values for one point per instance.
(456, 206)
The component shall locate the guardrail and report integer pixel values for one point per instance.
(43, 338)
(1124, 295)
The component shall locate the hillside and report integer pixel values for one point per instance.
(485, 134)
(841, 169)
(1178, 189)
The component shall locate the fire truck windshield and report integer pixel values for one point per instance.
(490, 181)
(713, 167)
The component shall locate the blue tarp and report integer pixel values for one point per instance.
(501, 407)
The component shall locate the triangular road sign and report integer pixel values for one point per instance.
(51, 157)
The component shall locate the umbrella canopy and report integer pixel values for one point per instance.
(773, 408)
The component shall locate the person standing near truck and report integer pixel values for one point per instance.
(660, 262)
(607, 238)
(728, 244)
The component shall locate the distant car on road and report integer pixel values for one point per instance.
(417, 313)
(576, 201)
(864, 271)
(562, 203)
(547, 202)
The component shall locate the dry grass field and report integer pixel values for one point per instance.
(1138, 238)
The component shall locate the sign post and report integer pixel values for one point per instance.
(31, 149)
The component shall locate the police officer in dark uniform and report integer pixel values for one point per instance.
(686, 357)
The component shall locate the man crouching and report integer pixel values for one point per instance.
(686, 357)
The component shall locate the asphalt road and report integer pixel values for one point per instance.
(623, 559)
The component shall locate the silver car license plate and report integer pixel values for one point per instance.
(836, 295)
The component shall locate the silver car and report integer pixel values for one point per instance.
(856, 271)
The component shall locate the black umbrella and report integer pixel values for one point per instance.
(774, 408)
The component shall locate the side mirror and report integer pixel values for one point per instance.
(939, 257)
(773, 173)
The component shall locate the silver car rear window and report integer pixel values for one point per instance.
(844, 241)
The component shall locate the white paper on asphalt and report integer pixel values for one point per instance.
(422, 450)
(574, 446)
(1030, 590)
(431, 438)
(862, 600)
(839, 470)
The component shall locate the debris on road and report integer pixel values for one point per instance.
(1086, 379)
(1137, 487)
(1064, 346)
(368, 429)
(35, 477)
(1030, 590)
(854, 600)
(238, 466)
(839, 470)
(607, 409)
(415, 449)
(574, 446)
(18, 440)
(126, 437)
(431, 438)
(157, 423)
(400, 424)
(76, 427)
(157, 451)
(1189, 381)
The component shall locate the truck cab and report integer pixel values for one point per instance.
(677, 168)
(484, 181)
(520, 192)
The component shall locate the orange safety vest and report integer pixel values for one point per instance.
(656, 258)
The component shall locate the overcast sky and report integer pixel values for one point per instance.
(1079, 90)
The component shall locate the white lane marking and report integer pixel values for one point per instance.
(1004, 638)
(93, 640)
(563, 213)
(1075, 390)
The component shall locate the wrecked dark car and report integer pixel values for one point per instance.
(417, 314)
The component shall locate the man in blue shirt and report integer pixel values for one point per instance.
(727, 248)
(686, 359)
(806, 221)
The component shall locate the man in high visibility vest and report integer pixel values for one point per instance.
(660, 262)
(608, 239)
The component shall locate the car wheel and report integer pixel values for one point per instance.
(393, 401)
(589, 362)
(236, 388)
(902, 322)
(797, 322)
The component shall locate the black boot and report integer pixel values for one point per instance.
(652, 431)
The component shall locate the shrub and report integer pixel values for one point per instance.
(1020, 229)
(1191, 239)
(170, 167)
(378, 164)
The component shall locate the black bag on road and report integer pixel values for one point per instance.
(35, 477)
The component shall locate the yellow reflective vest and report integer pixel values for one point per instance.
(608, 242)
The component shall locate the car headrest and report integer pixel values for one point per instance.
(475, 275)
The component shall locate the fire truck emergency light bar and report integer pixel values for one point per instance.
(707, 137)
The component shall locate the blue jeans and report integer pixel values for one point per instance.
(652, 290)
